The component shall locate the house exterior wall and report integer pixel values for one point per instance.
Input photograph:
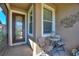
(14, 8)
(38, 26)
(36, 29)
(69, 35)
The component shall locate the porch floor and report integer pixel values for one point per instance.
(21, 50)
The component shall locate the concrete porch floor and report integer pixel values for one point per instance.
(21, 50)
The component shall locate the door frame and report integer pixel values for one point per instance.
(10, 36)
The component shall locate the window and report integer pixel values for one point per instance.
(18, 27)
(30, 21)
(48, 20)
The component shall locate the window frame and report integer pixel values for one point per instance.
(30, 10)
(53, 20)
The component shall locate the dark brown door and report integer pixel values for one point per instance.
(18, 27)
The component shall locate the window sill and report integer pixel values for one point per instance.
(30, 35)
(47, 35)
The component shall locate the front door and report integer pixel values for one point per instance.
(18, 28)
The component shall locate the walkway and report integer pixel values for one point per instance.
(21, 50)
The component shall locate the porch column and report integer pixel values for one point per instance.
(37, 25)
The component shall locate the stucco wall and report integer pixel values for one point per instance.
(38, 27)
(69, 35)
(38, 17)
(14, 8)
(37, 24)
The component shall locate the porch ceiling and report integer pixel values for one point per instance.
(23, 6)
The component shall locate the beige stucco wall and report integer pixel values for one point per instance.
(38, 27)
(69, 35)
(38, 17)
(21, 10)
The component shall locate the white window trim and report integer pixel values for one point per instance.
(53, 20)
(31, 9)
